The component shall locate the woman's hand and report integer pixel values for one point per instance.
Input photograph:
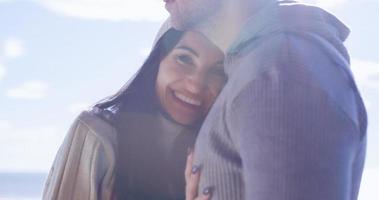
(192, 177)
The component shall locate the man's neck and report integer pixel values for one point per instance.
(223, 28)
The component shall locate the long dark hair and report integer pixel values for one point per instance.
(139, 92)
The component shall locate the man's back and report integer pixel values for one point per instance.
(290, 123)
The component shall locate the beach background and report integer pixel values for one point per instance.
(57, 57)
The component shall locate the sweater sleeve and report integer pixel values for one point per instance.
(294, 140)
(82, 168)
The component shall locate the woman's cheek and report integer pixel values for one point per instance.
(217, 85)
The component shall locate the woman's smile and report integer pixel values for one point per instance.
(183, 105)
(187, 100)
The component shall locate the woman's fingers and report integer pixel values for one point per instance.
(206, 195)
(187, 171)
(193, 182)
(192, 177)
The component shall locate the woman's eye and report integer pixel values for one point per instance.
(184, 59)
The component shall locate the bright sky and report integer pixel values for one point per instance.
(59, 56)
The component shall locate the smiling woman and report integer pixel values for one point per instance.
(133, 145)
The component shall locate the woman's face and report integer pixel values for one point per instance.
(190, 77)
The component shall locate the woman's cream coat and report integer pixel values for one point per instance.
(85, 163)
(84, 167)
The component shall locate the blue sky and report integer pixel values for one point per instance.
(59, 56)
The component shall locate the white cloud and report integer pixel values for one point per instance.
(115, 10)
(5, 125)
(370, 180)
(29, 90)
(76, 108)
(2, 72)
(29, 149)
(13, 48)
(366, 73)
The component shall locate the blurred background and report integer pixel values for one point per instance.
(57, 57)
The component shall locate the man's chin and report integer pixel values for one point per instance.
(182, 25)
(178, 24)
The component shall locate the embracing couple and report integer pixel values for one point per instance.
(238, 100)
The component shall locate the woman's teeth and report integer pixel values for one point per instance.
(187, 99)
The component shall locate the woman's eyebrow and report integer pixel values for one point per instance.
(183, 47)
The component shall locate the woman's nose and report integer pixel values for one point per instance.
(196, 83)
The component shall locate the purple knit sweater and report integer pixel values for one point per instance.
(290, 123)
